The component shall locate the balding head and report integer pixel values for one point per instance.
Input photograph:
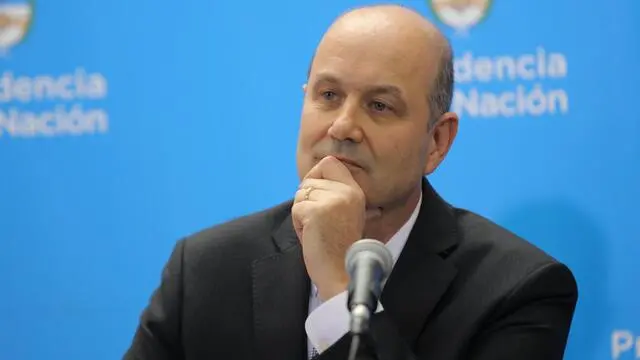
(412, 29)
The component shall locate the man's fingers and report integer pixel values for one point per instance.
(316, 171)
(309, 186)
(319, 184)
(302, 213)
(305, 194)
(298, 212)
(316, 189)
(331, 168)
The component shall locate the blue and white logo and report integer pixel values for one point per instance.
(460, 15)
(15, 20)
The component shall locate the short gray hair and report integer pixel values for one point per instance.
(441, 94)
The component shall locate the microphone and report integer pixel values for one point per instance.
(368, 263)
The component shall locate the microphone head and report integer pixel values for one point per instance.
(369, 248)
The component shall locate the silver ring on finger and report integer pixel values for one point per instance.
(307, 192)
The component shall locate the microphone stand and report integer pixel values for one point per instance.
(355, 347)
(360, 342)
(360, 337)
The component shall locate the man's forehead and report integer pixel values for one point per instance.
(369, 53)
(356, 71)
(372, 68)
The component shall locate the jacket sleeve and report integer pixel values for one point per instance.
(158, 335)
(533, 322)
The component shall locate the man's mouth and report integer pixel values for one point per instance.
(348, 162)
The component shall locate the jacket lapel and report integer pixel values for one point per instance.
(281, 298)
(422, 274)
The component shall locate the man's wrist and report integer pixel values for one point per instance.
(331, 290)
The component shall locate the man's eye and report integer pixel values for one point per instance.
(328, 95)
(379, 106)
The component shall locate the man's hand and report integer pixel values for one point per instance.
(329, 214)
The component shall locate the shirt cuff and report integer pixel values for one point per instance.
(329, 322)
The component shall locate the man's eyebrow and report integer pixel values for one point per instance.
(327, 77)
(378, 89)
(385, 89)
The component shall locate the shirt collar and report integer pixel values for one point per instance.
(399, 239)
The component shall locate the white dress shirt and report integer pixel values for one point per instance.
(329, 321)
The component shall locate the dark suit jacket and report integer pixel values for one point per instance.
(463, 288)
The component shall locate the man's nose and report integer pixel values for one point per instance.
(346, 126)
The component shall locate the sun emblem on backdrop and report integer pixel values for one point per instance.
(15, 20)
(461, 15)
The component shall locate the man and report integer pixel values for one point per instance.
(272, 285)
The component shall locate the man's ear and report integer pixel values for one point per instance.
(442, 135)
(304, 88)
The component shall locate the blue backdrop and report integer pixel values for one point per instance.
(125, 125)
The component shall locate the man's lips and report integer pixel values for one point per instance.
(349, 162)
(345, 160)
